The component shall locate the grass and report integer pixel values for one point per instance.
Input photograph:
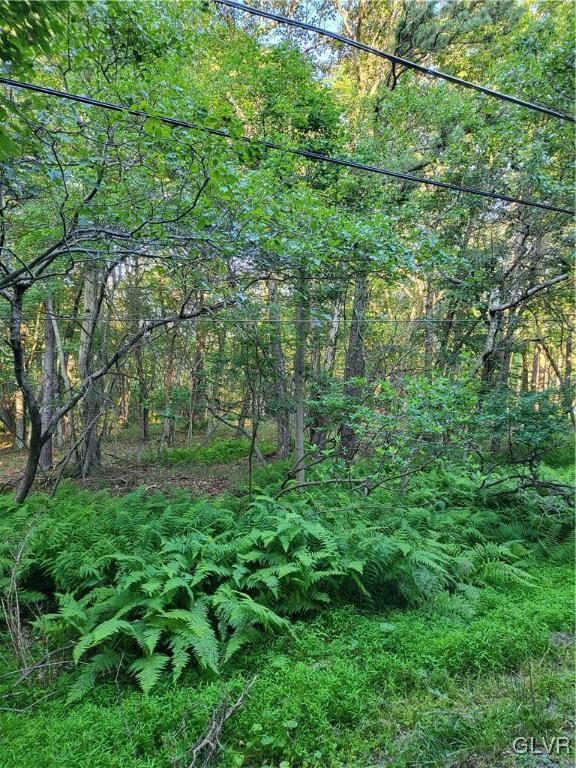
(349, 689)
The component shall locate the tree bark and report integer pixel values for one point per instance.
(507, 348)
(90, 451)
(32, 406)
(281, 394)
(301, 321)
(48, 386)
(535, 368)
(330, 351)
(67, 424)
(198, 404)
(167, 424)
(244, 411)
(429, 341)
(19, 421)
(525, 375)
(355, 364)
(320, 424)
(143, 410)
(567, 393)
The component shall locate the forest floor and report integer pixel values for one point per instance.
(127, 465)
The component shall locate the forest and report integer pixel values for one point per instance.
(287, 384)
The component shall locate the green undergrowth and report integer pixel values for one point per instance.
(351, 688)
(408, 627)
(146, 586)
(220, 452)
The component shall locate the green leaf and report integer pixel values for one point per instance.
(147, 670)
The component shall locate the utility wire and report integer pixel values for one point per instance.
(396, 59)
(239, 321)
(290, 150)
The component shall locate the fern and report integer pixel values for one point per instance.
(167, 584)
(148, 669)
(102, 662)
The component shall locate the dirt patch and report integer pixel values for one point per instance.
(126, 468)
(202, 481)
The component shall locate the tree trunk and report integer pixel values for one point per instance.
(490, 350)
(568, 360)
(567, 393)
(507, 348)
(244, 411)
(27, 391)
(320, 423)
(219, 367)
(20, 421)
(198, 409)
(167, 431)
(535, 368)
(429, 337)
(301, 322)
(330, 351)
(281, 394)
(124, 411)
(355, 363)
(446, 328)
(90, 451)
(143, 410)
(48, 387)
(66, 426)
(525, 374)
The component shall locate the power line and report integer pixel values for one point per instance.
(277, 147)
(396, 59)
(241, 321)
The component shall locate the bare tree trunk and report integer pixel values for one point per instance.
(508, 348)
(7, 416)
(429, 341)
(90, 450)
(124, 410)
(48, 387)
(491, 346)
(219, 367)
(31, 403)
(214, 399)
(320, 422)
(568, 395)
(330, 351)
(244, 411)
(355, 363)
(568, 360)
(143, 409)
(281, 394)
(301, 321)
(198, 409)
(445, 331)
(66, 426)
(167, 431)
(20, 421)
(535, 368)
(525, 373)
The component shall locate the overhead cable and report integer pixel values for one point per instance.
(309, 154)
(395, 59)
